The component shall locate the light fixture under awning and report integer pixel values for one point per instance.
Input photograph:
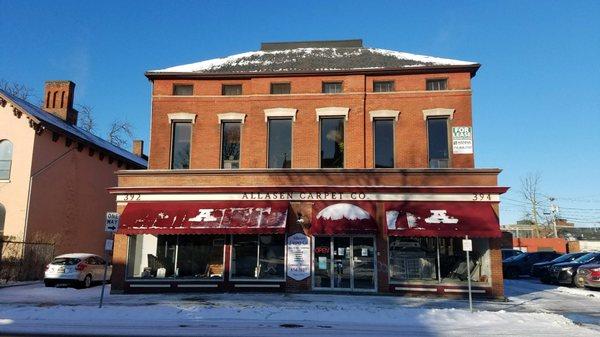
(442, 219)
(213, 217)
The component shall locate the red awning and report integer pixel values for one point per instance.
(343, 218)
(225, 217)
(442, 219)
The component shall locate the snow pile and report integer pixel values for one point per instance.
(285, 60)
(343, 210)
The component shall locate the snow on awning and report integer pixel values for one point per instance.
(342, 218)
(442, 219)
(204, 218)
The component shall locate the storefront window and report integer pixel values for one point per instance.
(175, 256)
(437, 260)
(258, 257)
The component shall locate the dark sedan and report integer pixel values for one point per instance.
(566, 272)
(521, 264)
(542, 269)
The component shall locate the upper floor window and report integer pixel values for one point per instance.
(231, 89)
(183, 89)
(332, 142)
(6, 151)
(2, 218)
(230, 145)
(332, 87)
(437, 133)
(180, 145)
(383, 86)
(437, 84)
(383, 130)
(280, 88)
(280, 143)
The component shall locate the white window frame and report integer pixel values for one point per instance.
(280, 112)
(182, 117)
(384, 114)
(232, 117)
(438, 112)
(332, 111)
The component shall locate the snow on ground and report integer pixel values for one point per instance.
(34, 308)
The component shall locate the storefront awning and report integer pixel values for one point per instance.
(342, 218)
(223, 217)
(442, 219)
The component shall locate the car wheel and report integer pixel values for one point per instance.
(48, 284)
(578, 281)
(87, 281)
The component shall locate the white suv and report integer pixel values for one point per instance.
(80, 270)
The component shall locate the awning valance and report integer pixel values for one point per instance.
(342, 218)
(442, 219)
(218, 217)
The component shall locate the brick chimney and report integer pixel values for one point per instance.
(58, 100)
(138, 148)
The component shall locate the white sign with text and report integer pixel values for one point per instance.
(462, 140)
(298, 256)
(112, 222)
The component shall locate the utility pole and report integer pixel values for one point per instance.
(554, 211)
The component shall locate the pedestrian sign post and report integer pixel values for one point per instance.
(111, 225)
(468, 247)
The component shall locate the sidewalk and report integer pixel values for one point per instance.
(36, 309)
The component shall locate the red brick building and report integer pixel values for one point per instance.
(310, 166)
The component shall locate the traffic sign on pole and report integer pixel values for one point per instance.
(112, 222)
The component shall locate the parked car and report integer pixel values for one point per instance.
(80, 270)
(508, 253)
(566, 272)
(542, 269)
(521, 264)
(590, 274)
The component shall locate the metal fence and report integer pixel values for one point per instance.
(24, 261)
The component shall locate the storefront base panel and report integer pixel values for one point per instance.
(440, 290)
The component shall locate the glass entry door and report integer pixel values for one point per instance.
(344, 263)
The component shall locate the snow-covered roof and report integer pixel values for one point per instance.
(343, 211)
(58, 125)
(313, 59)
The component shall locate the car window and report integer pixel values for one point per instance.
(99, 260)
(65, 261)
(586, 258)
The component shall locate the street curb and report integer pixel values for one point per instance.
(18, 284)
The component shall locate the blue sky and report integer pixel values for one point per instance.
(536, 99)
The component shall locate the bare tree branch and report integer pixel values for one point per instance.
(85, 119)
(530, 185)
(16, 89)
(120, 133)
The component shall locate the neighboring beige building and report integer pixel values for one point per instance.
(53, 175)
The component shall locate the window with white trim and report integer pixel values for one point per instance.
(280, 143)
(6, 152)
(180, 145)
(230, 144)
(383, 131)
(437, 134)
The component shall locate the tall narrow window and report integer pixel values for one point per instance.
(384, 143)
(280, 88)
(231, 89)
(280, 143)
(180, 151)
(332, 143)
(6, 150)
(332, 87)
(437, 84)
(230, 150)
(183, 89)
(437, 132)
(2, 217)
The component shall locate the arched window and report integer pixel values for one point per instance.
(2, 217)
(54, 99)
(48, 100)
(62, 100)
(6, 150)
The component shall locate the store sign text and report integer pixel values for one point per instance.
(304, 196)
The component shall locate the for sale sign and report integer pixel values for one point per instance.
(462, 140)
